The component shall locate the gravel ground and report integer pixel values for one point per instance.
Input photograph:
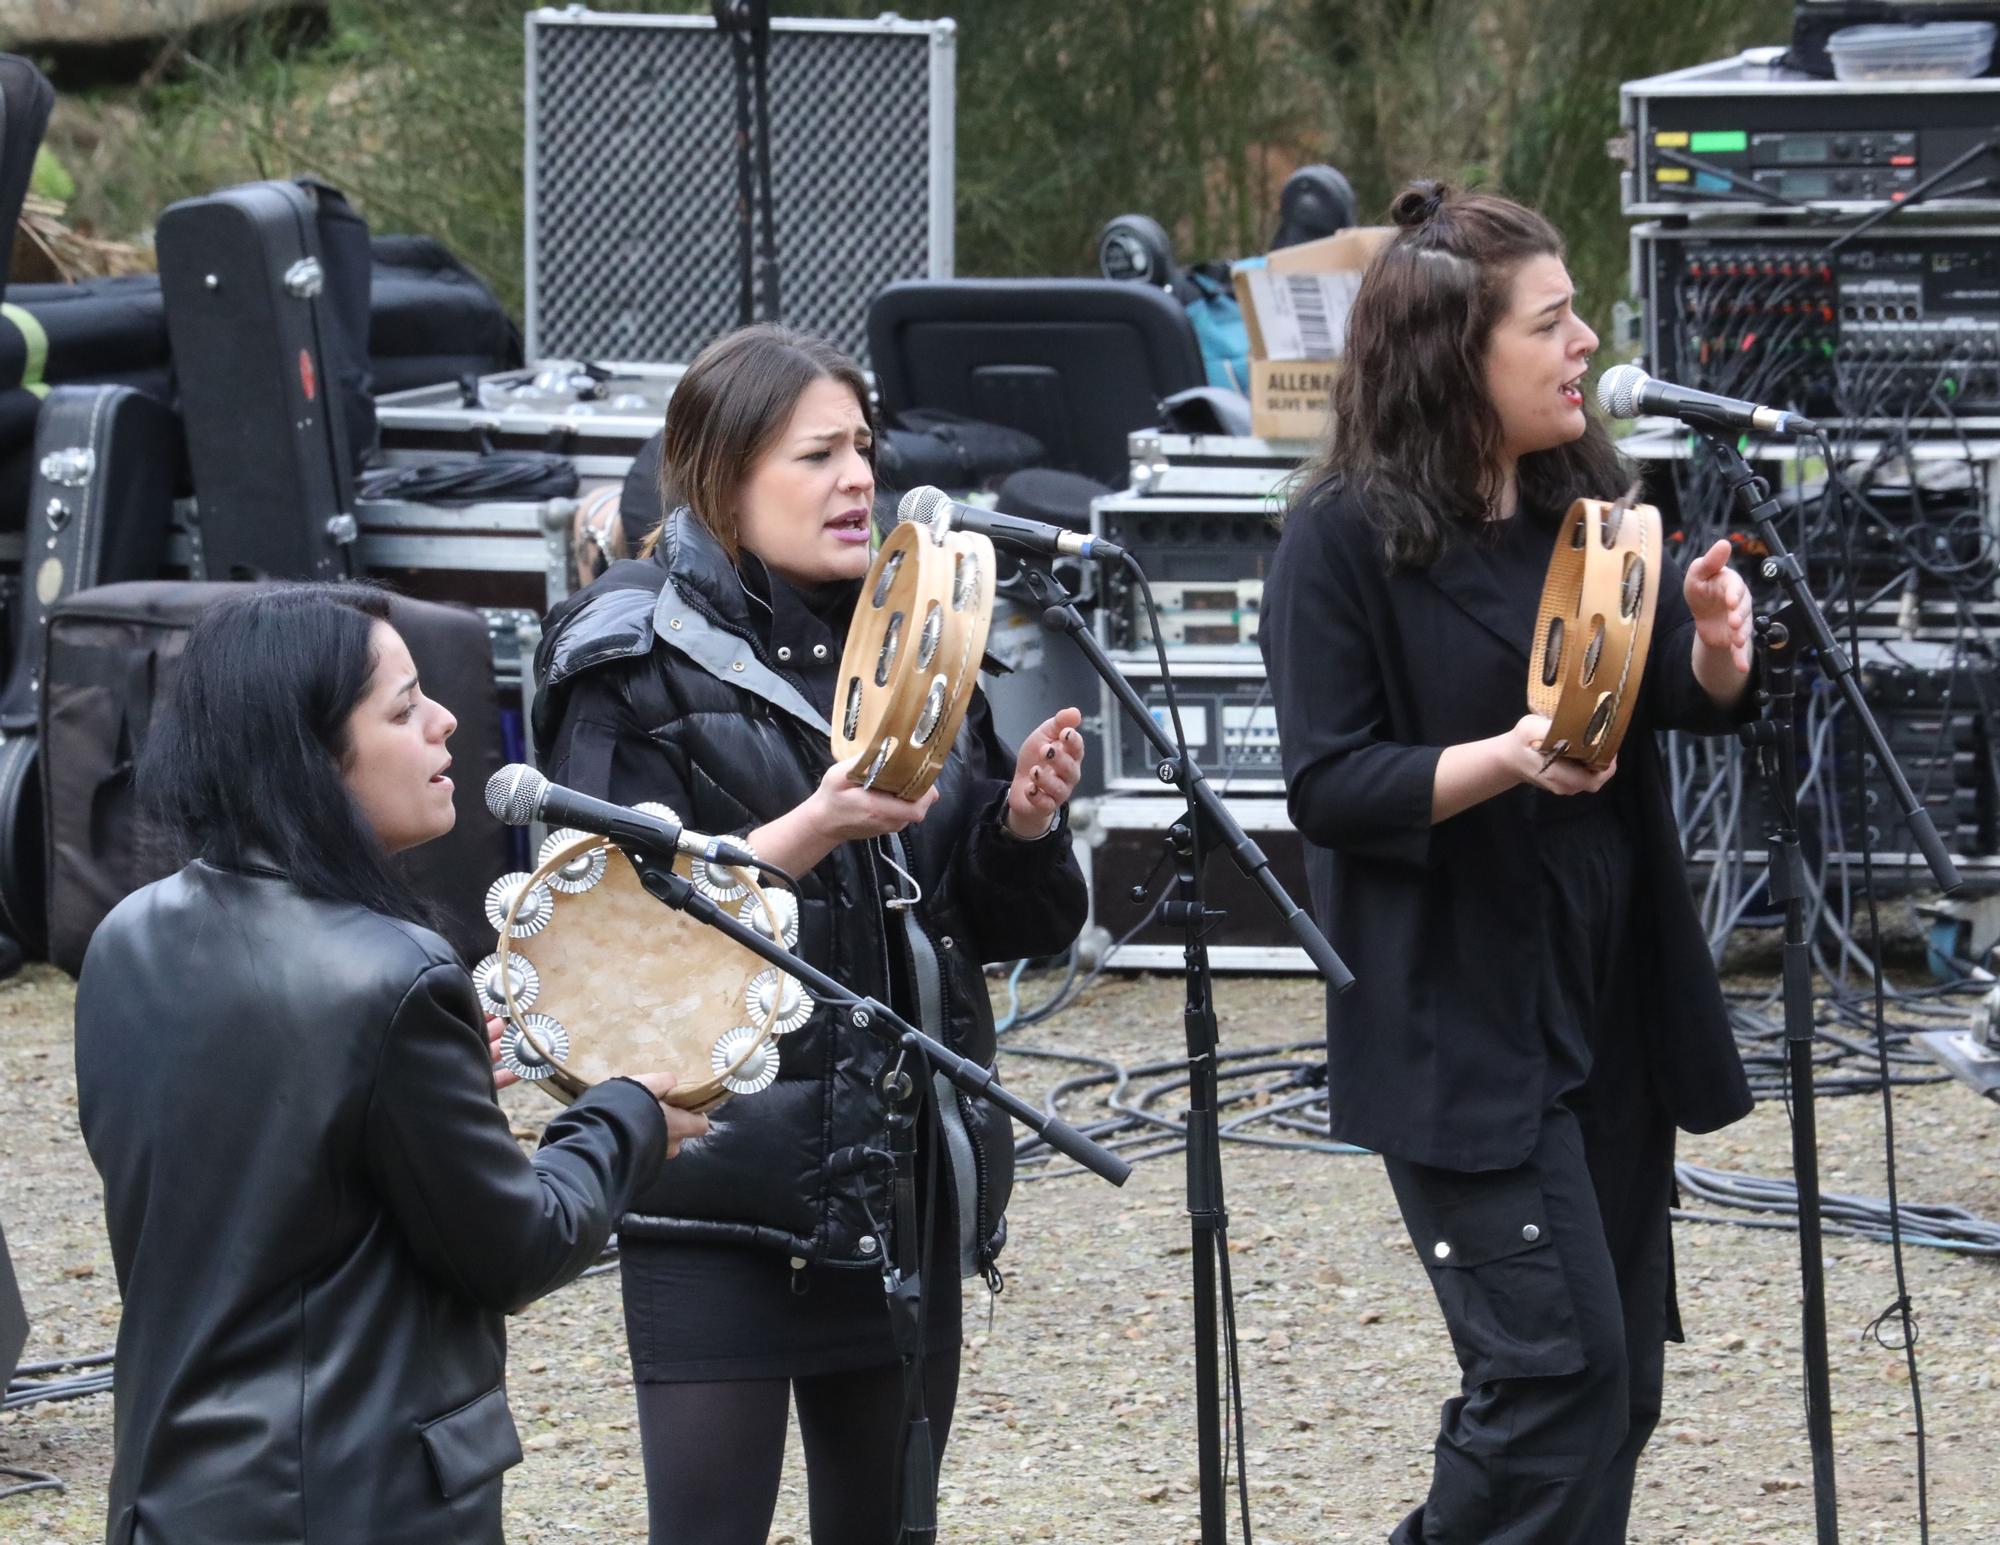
(1075, 1419)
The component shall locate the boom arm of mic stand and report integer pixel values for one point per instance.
(1060, 616)
(660, 882)
(1783, 567)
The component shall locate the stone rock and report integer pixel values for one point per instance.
(67, 23)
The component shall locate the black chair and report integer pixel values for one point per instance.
(1077, 363)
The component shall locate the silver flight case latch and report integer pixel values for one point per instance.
(305, 279)
(70, 467)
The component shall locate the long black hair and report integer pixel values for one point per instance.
(244, 761)
(1414, 428)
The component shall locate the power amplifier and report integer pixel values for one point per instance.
(1226, 714)
(1205, 558)
(1746, 135)
(1900, 323)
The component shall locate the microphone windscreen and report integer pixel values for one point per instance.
(514, 794)
(923, 505)
(1618, 390)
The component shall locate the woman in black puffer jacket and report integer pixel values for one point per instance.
(702, 676)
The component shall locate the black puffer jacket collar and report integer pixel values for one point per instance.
(702, 612)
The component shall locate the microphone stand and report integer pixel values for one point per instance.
(659, 881)
(1773, 740)
(747, 23)
(1207, 823)
(903, 1278)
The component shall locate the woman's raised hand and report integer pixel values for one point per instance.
(1045, 774)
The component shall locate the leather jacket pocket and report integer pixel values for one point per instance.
(475, 1444)
(1486, 1240)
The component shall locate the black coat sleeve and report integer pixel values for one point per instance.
(1020, 899)
(478, 1214)
(1349, 784)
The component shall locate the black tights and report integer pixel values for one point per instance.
(714, 1452)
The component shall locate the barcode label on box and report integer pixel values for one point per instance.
(1303, 316)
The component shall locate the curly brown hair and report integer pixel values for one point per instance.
(1414, 428)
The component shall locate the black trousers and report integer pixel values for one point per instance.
(1556, 1282)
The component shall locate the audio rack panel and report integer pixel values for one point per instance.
(1902, 322)
(1744, 135)
(1207, 559)
(1226, 714)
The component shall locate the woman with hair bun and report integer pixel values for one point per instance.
(1535, 1010)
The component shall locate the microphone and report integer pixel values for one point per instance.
(517, 794)
(1626, 391)
(933, 507)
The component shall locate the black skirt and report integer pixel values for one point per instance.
(697, 1312)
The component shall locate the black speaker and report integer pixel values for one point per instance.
(13, 1319)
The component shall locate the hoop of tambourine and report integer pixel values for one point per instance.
(1595, 626)
(595, 980)
(912, 656)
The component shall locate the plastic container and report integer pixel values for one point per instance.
(1938, 50)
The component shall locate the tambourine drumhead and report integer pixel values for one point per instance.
(1595, 627)
(912, 656)
(597, 979)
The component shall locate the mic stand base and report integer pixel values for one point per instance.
(1773, 739)
(1208, 823)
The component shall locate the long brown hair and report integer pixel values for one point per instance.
(734, 401)
(1414, 427)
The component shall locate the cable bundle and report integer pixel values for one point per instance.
(522, 476)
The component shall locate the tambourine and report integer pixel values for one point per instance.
(1595, 626)
(596, 979)
(912, 656)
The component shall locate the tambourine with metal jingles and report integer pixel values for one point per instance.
(912, 656)
(1595, 627)
(596, 979)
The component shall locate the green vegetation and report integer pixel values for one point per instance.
(1193, 111)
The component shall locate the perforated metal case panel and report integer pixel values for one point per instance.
(632, 230)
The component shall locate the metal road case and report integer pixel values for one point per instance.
(1216, 466)
(1119, 843)
(631, 176)
(541, 407)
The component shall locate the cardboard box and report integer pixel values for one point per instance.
(1291, 399)
(1295, 305)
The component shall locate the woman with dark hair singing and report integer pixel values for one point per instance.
(703, 676)
(1535, 1009)
(317, 1210)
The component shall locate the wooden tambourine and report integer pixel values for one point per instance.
(1595, 627)
(912, 656)
(596, 979)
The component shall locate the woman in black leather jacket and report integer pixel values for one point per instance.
(702, 676)
(317, 1211)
